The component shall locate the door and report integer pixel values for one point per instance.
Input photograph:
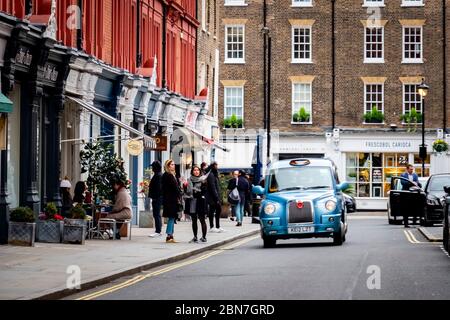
(405, 198)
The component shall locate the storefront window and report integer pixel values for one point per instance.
(418, 165)
(370, 173)
(14, 149)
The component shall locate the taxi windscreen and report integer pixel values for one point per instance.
(300, 178)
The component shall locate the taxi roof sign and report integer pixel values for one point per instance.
(300, 162)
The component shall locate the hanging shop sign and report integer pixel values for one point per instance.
(135, 147)
(161, 143)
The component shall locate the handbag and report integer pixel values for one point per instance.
(233, 196)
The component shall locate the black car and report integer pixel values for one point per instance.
(350, 203)
(434, 208)
(425, 204)
(446, 237)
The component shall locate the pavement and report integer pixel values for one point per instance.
(377, 262)
(42, 272)
(432, 234)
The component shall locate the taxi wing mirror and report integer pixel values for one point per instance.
(447, 190)
(343, 186)
(258, 190)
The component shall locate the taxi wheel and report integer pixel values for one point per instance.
(269, 242)
(338, 237)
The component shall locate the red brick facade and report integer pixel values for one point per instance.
(351, 70)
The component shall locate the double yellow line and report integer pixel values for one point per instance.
(140, 278)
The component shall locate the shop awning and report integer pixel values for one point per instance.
(148, 141)
(209, 141)
(6, 105)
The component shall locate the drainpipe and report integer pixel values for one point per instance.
(138, 34)
(80, 27)
(444, 26)
(265, 62)
(164, 46)
(333, 64)
(269, 75)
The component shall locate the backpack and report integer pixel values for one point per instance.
(233, 196)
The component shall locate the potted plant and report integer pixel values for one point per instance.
(440, 146)
(301, 116)
(22, 227)
(74, 231)
(374, 116)
(49, 226)
(411, 119)
(233, 122)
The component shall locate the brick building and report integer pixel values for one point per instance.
(351, 98)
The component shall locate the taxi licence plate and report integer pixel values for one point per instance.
(300, 230)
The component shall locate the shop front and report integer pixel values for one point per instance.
(368, 163)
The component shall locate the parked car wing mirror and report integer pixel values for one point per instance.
(447, 190)
(258, 190)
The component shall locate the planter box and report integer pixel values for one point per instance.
(22, 234)
(74, 231)
(49, 231)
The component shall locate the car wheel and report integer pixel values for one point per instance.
(269, 242)
(339, 237)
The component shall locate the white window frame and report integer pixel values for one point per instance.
(235, 3)
(371, 3)
(293, 103)
(413, 3)
(365, 99)
(374, 60)
(309, 60)
(234, 60)
(404, 101)
(225, 116)
(414, 60)
(301, 4)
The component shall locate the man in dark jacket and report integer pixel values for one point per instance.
(213, 196)
(155, 193)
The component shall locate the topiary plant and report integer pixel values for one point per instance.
(374, 116)
(22, 214)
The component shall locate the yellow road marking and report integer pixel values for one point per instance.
(411, 238)
(140, 278)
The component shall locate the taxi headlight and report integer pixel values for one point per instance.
(330, 205)
(270, 208)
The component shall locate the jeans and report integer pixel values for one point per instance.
(240, 211)
(170, 226)
(156, 205)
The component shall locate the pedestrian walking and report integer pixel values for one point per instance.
(155, 193)
(213, 198)
(122, 205)
(79, 193)
(231, 186)
(196, 205)
(172, 198)
(248, 197)
(242, 186)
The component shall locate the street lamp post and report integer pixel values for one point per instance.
(423, 92)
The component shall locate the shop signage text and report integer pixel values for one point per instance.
(388, 144)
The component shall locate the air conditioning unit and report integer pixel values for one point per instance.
(440, 133)
(447, 138)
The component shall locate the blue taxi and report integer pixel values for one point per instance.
(302, 198)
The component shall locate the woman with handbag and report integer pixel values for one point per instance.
(172, 198)
(196, 202)
(239, 189)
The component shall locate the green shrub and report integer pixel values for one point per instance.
(374, 116)
(78, 212)
(412, 117)
(301, 116)
(233, 122)
(22, 214)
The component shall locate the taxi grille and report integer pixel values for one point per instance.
(296, 215)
